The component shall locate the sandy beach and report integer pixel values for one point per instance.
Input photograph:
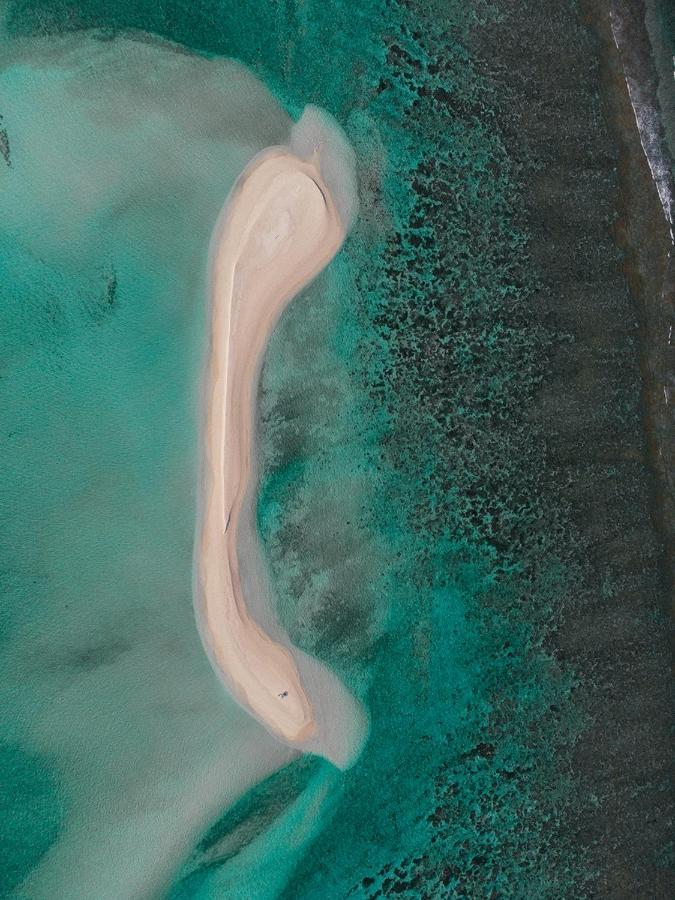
(279, 228)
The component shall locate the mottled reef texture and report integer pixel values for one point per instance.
(599, 240)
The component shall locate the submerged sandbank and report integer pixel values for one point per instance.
(282, 224)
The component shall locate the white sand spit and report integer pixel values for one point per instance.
(280, 227)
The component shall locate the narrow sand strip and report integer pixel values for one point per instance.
(278, 230)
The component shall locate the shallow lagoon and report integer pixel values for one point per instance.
(107, 214)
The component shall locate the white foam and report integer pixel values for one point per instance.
(648, 121)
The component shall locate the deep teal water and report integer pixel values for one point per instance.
(402, 501)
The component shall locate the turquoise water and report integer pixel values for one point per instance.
(107, 695)
(401, 501)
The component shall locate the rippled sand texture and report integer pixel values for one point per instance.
(279, 228)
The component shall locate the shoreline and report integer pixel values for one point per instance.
(643, 232)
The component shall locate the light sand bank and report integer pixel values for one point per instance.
(280, 227)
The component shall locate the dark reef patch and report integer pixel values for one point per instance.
(598, 238)
(4, 145)
(243, 823)
(105, 654)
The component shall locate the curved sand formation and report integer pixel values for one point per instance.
(279, 228)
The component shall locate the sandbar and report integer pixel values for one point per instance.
(278, 230)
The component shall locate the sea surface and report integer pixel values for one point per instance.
(457, 491)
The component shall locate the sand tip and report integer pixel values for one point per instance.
(316, 135)
(342, 724)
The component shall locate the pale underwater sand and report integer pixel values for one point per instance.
(116, 179)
